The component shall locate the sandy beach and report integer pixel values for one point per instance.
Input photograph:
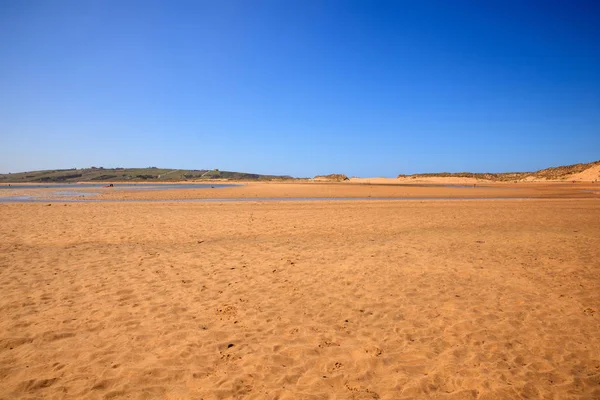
(377, 188)
(366, 190)
(299, 200)
(477, 299)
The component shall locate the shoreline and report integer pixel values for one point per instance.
(323, 190)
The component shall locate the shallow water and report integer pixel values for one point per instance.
(73, 192)
(120, 186)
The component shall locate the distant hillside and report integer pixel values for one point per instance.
(331, 177)
(565, 172)
(589, 171)
(151, 174)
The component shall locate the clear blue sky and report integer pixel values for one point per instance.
(365, 88)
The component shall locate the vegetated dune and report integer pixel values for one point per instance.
(569, 172)
(589, 174)
(331, 177)
(579, 172)
(465, 176)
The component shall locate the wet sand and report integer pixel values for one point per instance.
(378, 188)
(301, 300)
(368, 190)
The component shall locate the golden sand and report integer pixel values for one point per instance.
(301, 300)
(360, 189)
(375, 188)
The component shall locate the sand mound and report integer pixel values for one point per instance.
(589, 175)
(331, 177)
(580, 172)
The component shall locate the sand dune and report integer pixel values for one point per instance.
(364, 300)
(590, 174)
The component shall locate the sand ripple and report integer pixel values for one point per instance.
(444, 300)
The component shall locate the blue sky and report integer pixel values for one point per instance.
(365, 88)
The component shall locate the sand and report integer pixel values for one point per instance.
(419, 179)
(261, 190)
(590, 174)
(301, 300)
(376, 188)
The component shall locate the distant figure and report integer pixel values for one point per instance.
(111, 185)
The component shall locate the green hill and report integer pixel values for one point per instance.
(151, 174)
